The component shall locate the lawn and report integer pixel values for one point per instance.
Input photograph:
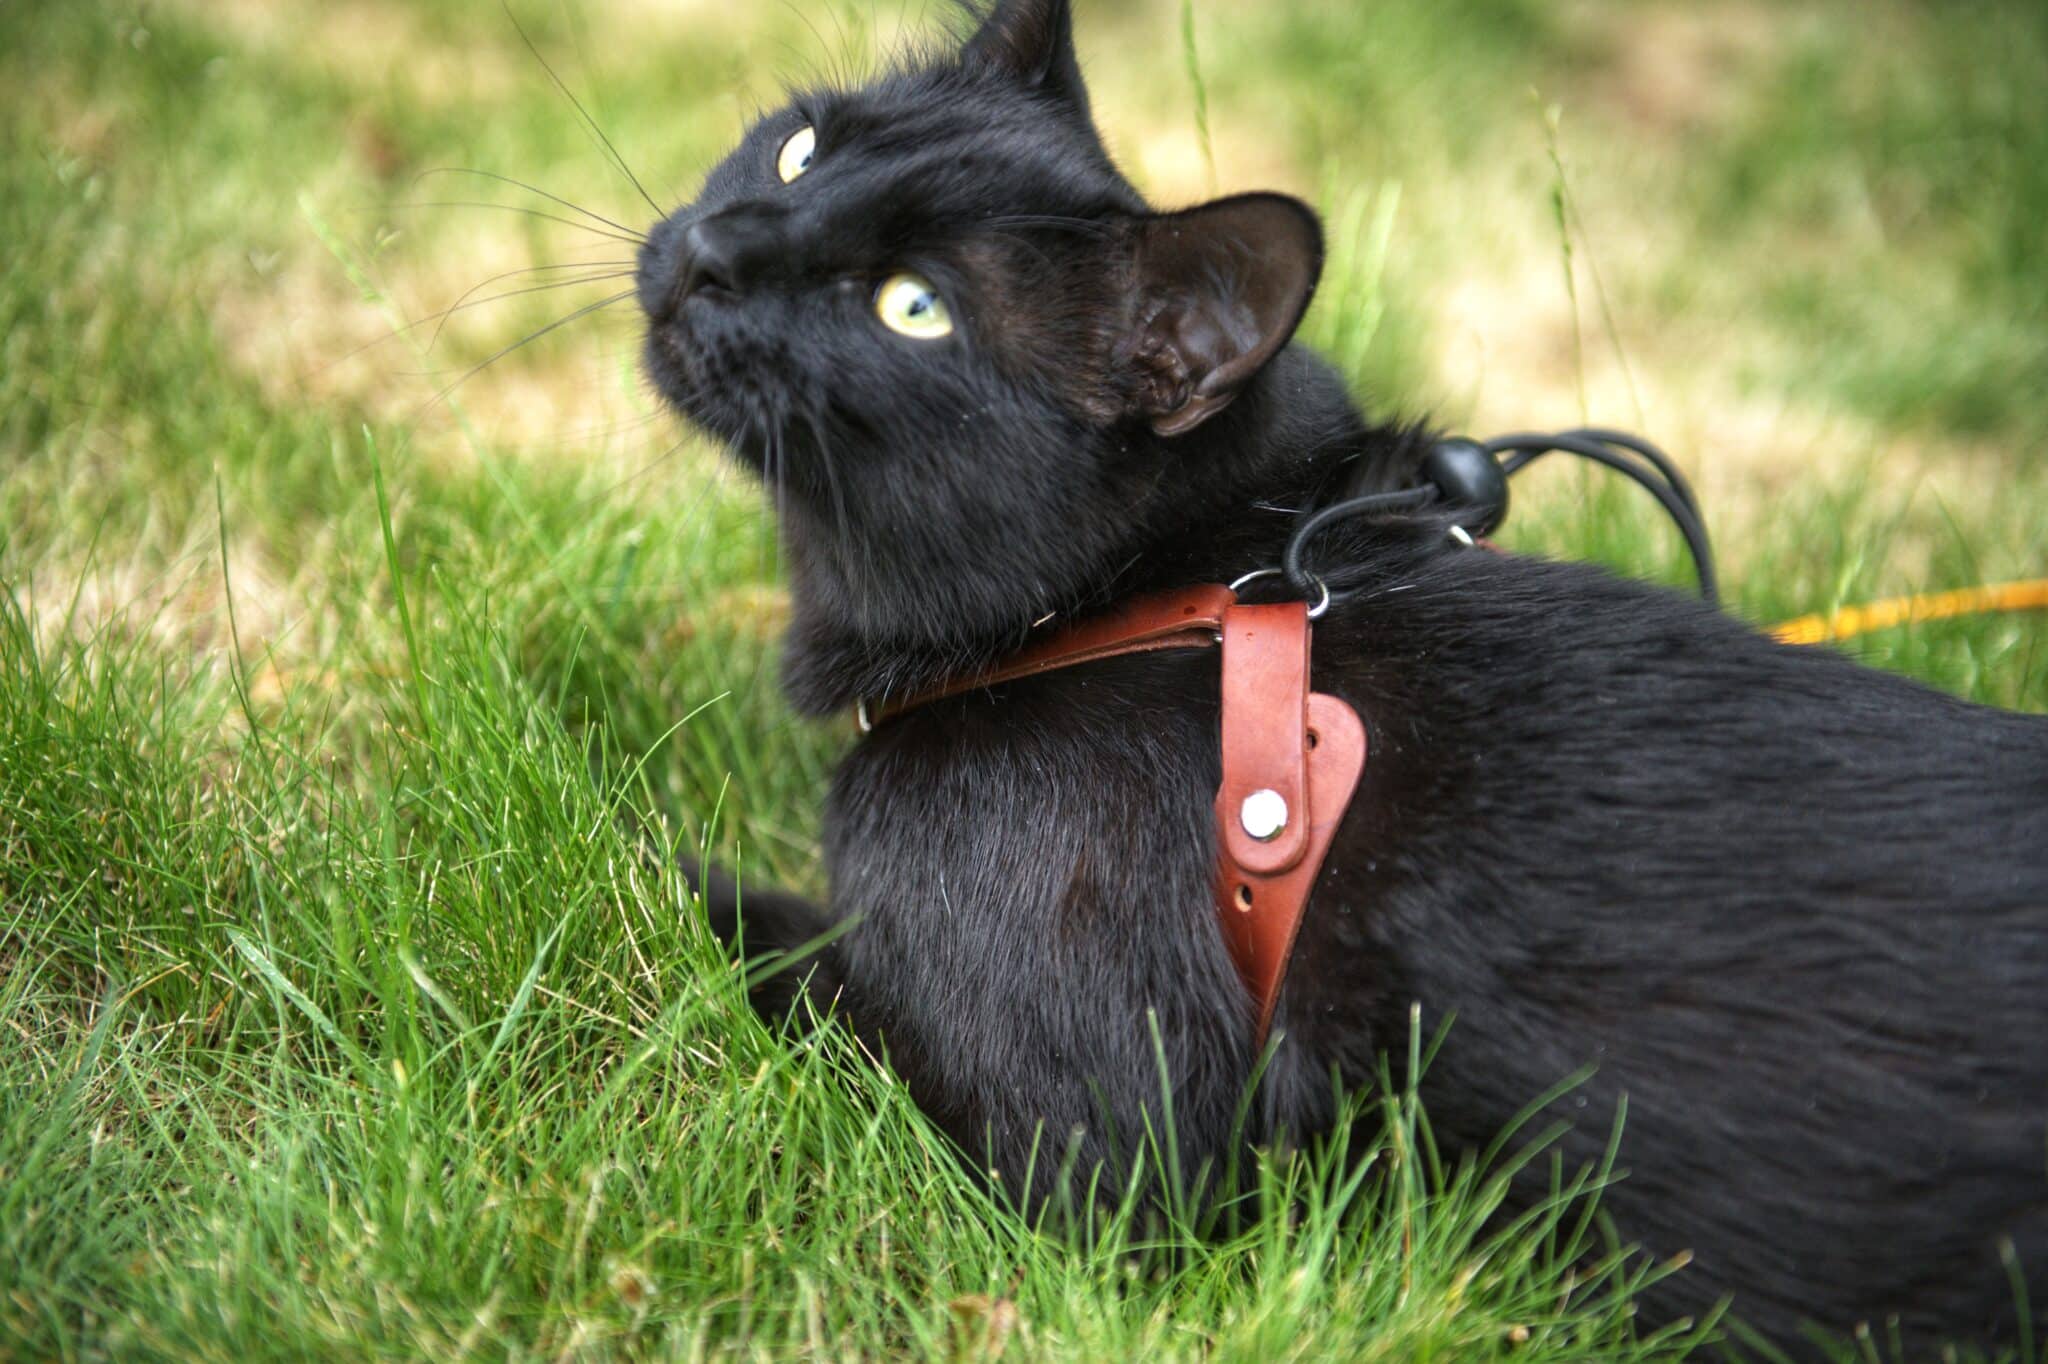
(363, 677)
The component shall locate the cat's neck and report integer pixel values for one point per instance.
(1226, 505)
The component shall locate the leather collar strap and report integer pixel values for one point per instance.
(1291, 757)
(1187, 619)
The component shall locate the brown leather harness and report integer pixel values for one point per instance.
(1291, 757)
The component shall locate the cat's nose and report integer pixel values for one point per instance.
(731, 250)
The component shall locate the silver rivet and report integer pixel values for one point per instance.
(1263, 814)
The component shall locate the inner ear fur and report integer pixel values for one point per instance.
(1217, 291)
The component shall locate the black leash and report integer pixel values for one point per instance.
(1471, 477)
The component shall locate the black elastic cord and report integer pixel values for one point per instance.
(1405, 499)
(1631, 456)
(1671, 490)
(1665, 465)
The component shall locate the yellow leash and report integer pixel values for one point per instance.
(1842, 623)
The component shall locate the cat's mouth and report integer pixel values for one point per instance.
(697, 351)
(656, 281)
(707, 365)
(685, 370)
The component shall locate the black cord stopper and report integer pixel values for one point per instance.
(1466, 476)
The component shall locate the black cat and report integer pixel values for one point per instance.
(1794, 910)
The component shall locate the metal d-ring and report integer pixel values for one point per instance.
(1314, 612)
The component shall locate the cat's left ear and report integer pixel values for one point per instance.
(1032, 41)
(1217, 291)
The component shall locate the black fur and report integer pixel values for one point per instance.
(1794, 910)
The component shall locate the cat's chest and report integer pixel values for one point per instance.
(1030, 880)
(1045, 772)
(1049, 827)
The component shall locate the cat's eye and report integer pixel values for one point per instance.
(795, 157)
(908, 304)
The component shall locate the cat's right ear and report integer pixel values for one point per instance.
(1033, 42)
(1216, 291)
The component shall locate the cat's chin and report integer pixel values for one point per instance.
(718, 405)
(670, 366)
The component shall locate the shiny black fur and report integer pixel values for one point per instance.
(1794, 910)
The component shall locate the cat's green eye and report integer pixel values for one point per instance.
(795, 157)
(908, 304)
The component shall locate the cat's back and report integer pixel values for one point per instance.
(1611, 716)
(1791, 913)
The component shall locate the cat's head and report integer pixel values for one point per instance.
(968, 359)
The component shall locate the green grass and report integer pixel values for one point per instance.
(348, 737)
(1929, 141)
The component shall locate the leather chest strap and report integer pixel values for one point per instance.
(1291, 761)
(1291, 757)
